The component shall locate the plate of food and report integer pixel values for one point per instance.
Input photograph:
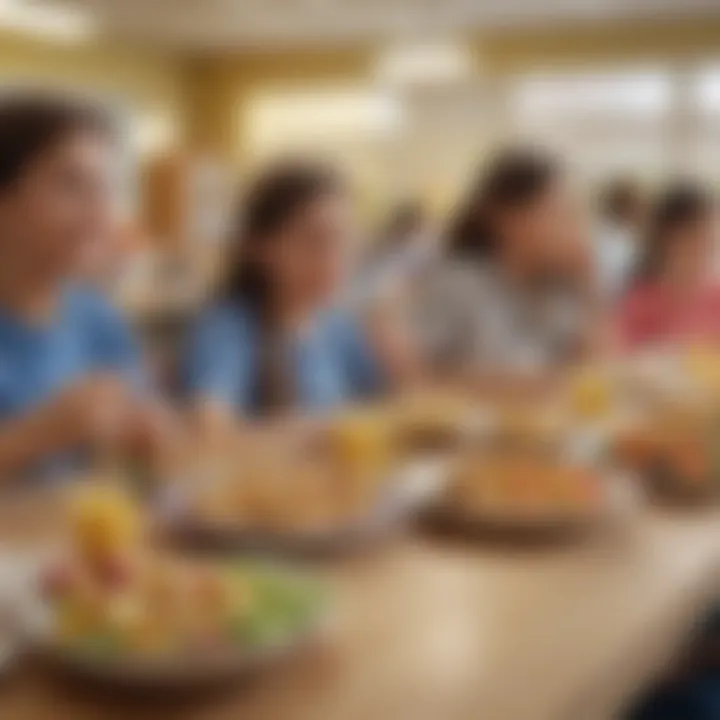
(498, 492)
(669, 375)
(675, 449)
(334, 499)
(434, 420)
(530, 477)
(119, 613)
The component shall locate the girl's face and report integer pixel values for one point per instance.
(541, 234)
(308, 258)
(61, 206)
(690, 249)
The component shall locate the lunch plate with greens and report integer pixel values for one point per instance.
(158, 621)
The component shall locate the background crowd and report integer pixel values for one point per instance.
(309, 312)
(301, 267)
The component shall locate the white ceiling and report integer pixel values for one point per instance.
(242, 23)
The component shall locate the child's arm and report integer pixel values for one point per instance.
(395, 350)
(84, 413)
(213, 422)
(28, 439)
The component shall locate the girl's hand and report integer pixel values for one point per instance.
(90, 414)
(94, 411)
(155, 435)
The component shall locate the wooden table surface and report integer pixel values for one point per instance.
(431, 629)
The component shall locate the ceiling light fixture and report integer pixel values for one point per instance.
(427, 63)
(52, 20)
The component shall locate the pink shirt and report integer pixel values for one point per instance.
(651, 315)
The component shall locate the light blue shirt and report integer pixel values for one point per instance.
(617, 254)
(331, 361)
(86, 335)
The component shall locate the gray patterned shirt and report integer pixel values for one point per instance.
(474, 315)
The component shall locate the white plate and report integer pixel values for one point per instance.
(179, 672)
(183, 670)
(405, 493)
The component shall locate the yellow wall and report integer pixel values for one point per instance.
(204, 95)
(217, 86)
(512, 52)
(144, 81)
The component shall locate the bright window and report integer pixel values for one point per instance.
(275, 120)
(552, 98)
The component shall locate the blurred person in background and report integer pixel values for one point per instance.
(407, 240)
(106, 263)
(394, 275)
(406, 223)
(514, 295)
(274, 343)
(618, 239)
(674, 296)
(69, 367)
(405, 247)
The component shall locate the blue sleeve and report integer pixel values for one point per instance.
(365, 375)
(113, 343)
(220, 357)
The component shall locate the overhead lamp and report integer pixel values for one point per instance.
(425, 63)
(53, 20)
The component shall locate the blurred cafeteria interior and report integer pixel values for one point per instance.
(408, 97)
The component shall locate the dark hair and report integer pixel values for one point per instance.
(621, 200)
(678, 207)
(33, 122)
(403, 220)
(512, 179)
(275, 198)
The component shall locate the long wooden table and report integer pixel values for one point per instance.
(440, 630)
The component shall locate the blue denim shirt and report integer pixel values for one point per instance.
(331, 361)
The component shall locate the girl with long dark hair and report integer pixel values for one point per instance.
(272, 342)
(68, 365)
(512, 294)
(674, 296)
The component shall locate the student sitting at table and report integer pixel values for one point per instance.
(675, 296)
(617, 236)
(272, 342)
(514, 294)
(68, 362)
